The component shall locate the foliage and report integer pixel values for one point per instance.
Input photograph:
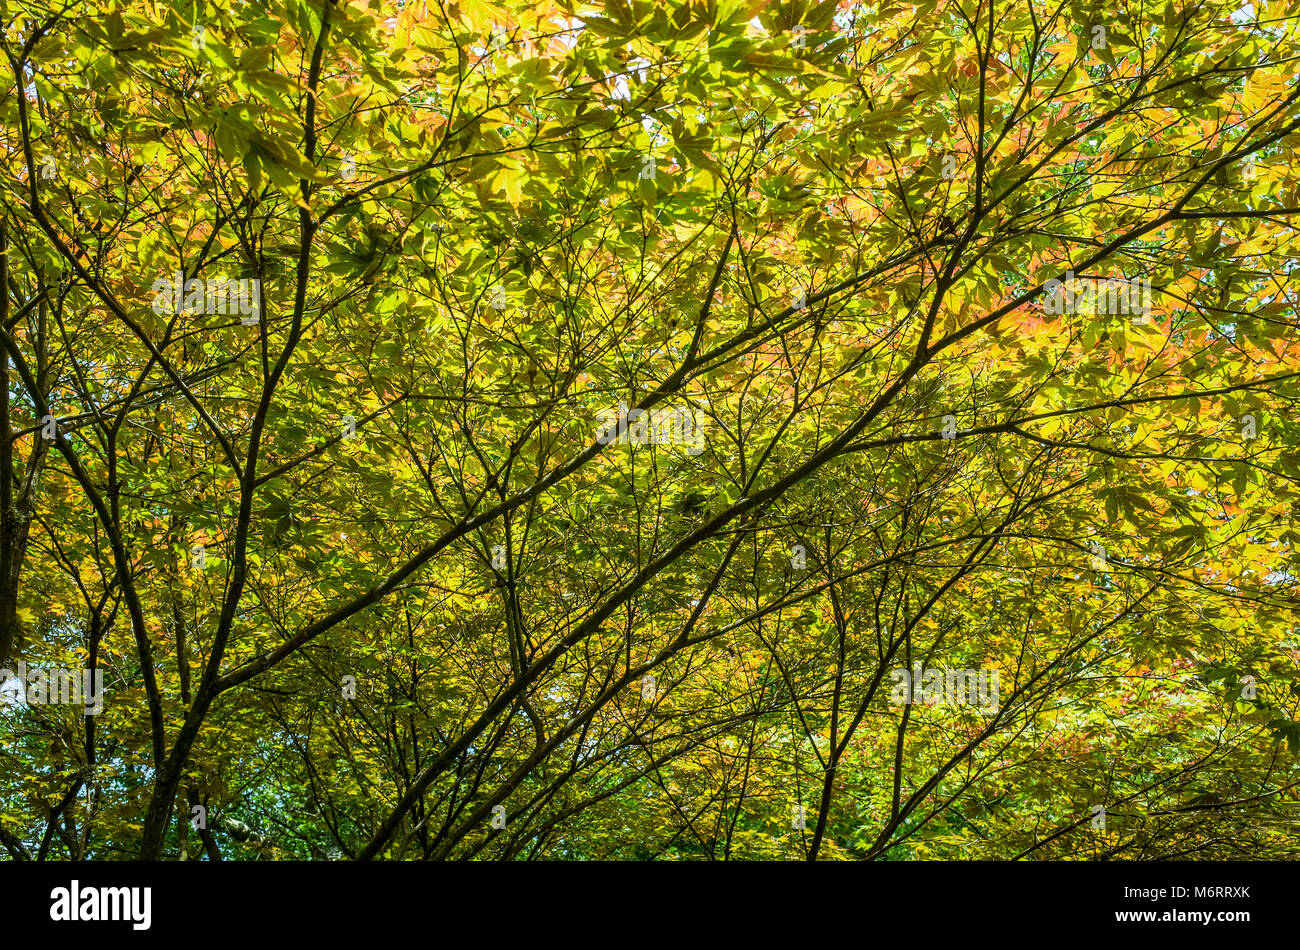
(364, 580)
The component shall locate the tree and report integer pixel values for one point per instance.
(697, 430)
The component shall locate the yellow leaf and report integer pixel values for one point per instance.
(1263, 90)
(511, 179)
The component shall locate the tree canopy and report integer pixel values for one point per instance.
(678, 431)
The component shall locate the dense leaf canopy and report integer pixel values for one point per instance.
(553, 430)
